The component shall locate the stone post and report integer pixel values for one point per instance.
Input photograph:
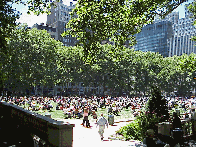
(60, 134)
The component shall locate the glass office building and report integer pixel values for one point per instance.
(170, 36)
(153, 37)
(181, 41)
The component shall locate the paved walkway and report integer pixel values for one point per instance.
(89, 137)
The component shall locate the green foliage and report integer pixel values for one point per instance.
(95, 21)
(157, 104)
(31, 58)
(130, 131)
(192, 9)
(28, 55)
(137, 129)
(7, 22)
(34, 58)
(8, 16)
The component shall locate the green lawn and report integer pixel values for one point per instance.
(58, 114)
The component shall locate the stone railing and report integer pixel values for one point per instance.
(54, 133)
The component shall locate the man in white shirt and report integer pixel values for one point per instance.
(101, 123)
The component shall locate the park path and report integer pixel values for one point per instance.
(89, 137)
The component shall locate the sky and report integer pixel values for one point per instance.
(33, 19)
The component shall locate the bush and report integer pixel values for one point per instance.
(156, 111)
(137, 129)
(157, 104)
(130, 131)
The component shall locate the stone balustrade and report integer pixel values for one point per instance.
(54, 133)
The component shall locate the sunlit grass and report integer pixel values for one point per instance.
(58, 114)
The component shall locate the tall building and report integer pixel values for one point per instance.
(153, 37)
(172, 17)
(49, 29)
(181, 41)
(169, 36)
(58, 19)
(188, 14)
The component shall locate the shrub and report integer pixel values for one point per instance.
(155, 111)
(157, 104)
(137, 129)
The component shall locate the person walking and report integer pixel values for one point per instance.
(102, 121)
(85, 118)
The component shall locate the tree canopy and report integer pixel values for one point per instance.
(30, 57)
(34, 58)
(192, 9)
(97, 20)
(116, 20)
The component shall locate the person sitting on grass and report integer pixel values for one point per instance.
(50, 106)
(67, 112)
(75, 112)
(80, 112)
(94, 107)
(115, 110)
(109, 109)
(94, 114)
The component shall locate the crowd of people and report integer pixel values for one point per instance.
(74, 106)
(82, 107)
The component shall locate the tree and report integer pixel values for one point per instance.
(157, 104)
(7, 21)
(8, 17)
(192, 9)
(117, 20)
(176, 74)
(133, 71)
(187, 71)
(32, 58)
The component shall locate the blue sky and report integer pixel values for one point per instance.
(32, 19)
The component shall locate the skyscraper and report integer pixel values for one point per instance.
(58, 19)
(169, 36)
(181, 41)
(153, 37)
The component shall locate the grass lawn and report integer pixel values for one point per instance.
(58, 114)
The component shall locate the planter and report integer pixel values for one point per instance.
(111, 119)
(165, 128)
